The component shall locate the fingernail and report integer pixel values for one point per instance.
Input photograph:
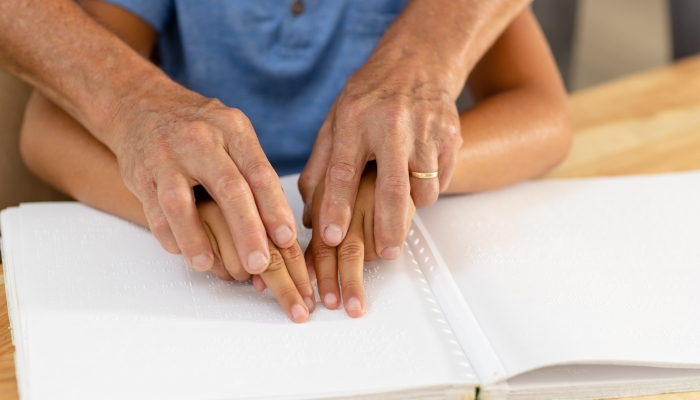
(201, 262)
(256, 261)
(391, 253)
(333, 234)
(298, 312)
(283, 235)
(330, 300)
(354, 304)
(310, 303)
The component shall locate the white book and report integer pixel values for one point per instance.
(559, 289)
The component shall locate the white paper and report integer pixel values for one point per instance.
(110, 315)
(599, 271)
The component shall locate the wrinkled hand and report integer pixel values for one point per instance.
(347, 259)
(399, 112)
(172, 139)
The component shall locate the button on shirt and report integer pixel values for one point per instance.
(282, 63)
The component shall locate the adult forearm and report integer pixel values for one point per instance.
(75, 62)
(446, 38)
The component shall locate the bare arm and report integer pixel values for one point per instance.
(60, 151)
(74, 61)
(167, 139)
(520, 126)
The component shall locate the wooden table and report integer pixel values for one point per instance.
(645, 123)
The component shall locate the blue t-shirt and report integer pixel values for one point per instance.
(282, 64)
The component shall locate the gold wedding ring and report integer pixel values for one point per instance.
(423, 175)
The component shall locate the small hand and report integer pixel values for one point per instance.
(347, 259)
(286, 276)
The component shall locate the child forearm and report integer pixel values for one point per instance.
(510, 137)
(61, 152)
(520, 126)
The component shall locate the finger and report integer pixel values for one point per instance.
(222, 241)
(309, 258)
(315, 170)
(259, 283)
(345, 167)
(231, 192)
(351, 256)
(296, 265)
(280, 283)
(177, 202)
(272, 205)
(159, 226)
(368, 234)
(218, 268)
(392, 198)
(324, 262)
(447, 157)
(425, 191)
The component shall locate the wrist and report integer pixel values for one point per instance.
(130, 100)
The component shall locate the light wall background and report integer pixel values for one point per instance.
(613, 38)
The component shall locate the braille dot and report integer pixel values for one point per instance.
(298, 7)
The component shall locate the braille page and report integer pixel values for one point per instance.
(593, 271)
(110, 315)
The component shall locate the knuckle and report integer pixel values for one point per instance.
(352, 251)
(175, 200)
(231, 189)
(159, 224)
(237, 119)
(352, 285)
(395, 185)
(288, 292)
(260, 176)
(323, 252)
(303, 287)
(453, 137)
(276, 262)
(293, 253)
(342, 172)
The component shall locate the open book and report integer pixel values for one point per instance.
(559, 289)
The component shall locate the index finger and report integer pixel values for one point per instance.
(351, 257)
(229, 189)
(278, 279)
(275, 212)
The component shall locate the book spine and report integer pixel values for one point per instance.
(464, 324)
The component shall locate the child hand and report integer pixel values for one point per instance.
(348, 258)
(286, 276)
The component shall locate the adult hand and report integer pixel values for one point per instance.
(347, 260)
(399, 112)
(172, 139)
(399, 108)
